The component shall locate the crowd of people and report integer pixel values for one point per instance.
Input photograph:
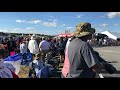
(104, 41)
(79, 58)
(42, 47)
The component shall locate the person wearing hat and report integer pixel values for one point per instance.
(36, 64)
(80, 59)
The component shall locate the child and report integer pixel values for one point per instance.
(36, 65)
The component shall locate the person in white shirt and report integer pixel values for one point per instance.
(23, 50)
(44, 47)
(33, 46)
(23, 47)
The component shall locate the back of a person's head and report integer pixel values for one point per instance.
(10, 38)
(61, 38)
(32, 37)
(43, 38)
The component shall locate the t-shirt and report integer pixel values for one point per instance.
(82, 58)
(44, 45)
(33, 47)
(66, 65)
(23, 48)
(37, 65)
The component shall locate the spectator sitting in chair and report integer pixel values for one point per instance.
(36, 64)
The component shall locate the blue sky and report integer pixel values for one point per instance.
(53, 23)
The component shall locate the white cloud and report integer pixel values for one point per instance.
(113, 14)
(4, 30)
(50, 24)
(99, 30)
(51, 16)
(31, 21)
(79, 16)
(17, 29)
(116, 24)
(20, 21)
(49, 19)
(104, 25)
(63, 25)
(53, 19)
(25, 30)
(34, 21)
(69, 27)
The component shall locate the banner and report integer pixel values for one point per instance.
(15, 61)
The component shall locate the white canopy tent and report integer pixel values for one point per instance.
(110, 35)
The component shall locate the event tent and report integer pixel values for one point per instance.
(113, 35)
(64, 35)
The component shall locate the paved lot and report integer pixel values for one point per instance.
(111, 54)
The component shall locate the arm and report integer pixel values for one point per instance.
(36, 47)
(91, 58)
(40, 45)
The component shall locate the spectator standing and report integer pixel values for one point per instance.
(44, 47)
(33, 46)
(83, 62)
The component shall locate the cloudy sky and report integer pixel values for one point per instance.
(53, 23)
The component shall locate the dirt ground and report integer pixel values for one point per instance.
(25, 70)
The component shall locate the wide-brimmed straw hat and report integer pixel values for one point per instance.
(83, 29)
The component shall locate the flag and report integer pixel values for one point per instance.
(15, 61)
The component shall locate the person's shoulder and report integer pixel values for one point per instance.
(83, 43)
(42, 41)
(30, 41)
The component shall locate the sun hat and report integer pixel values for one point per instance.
(83, 29)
